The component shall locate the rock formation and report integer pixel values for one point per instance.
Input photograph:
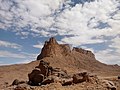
(45, 74)
(52, 48)
(82, 51)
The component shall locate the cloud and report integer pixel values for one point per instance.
(22, 55)
(40, 45)
(108, 56)
(115, 43)
(10, 54)
(50, 18)
(78, 40)
(16, 58)
(111, 54)
(10, 45)
(33, 15)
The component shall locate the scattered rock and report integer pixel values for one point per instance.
(15, 82)
(110, 85)
(59, 73)
(94, 79)
(80, 77)
(47, 81)
(67, 81)
(20, 88)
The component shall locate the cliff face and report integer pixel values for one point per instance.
(85, 52)
(52, 48)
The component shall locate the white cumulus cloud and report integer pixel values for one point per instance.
(9, 45)
(21, 55)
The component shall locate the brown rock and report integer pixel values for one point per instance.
(41, 72)
(82, 51)
(52, 48)
(110, 85)
(35, 77)
(38, 79)
(20, 88)
(67, 81)
(33, 74)
(80, 77)
(15, 82)
(59, 72)
(48, 80)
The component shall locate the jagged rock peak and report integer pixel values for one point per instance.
(52, 48)
(53, 40)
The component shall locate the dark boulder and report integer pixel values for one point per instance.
(67, 81)
(33, 74)
(41, 72)
(118, 77)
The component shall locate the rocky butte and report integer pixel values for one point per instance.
(72, 60)
(53, 49)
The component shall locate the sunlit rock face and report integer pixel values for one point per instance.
(52, 48)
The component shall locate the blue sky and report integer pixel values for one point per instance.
(90, 24)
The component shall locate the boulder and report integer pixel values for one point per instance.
(59, 72)
(118, 77)
(33, 74)
(94, 79)
(35, 77)
(80, 77)
(109, 84)
(47, 81)
(67, 81)
(44, 66)
(38, 79)
(15, 82)
(41, 72)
